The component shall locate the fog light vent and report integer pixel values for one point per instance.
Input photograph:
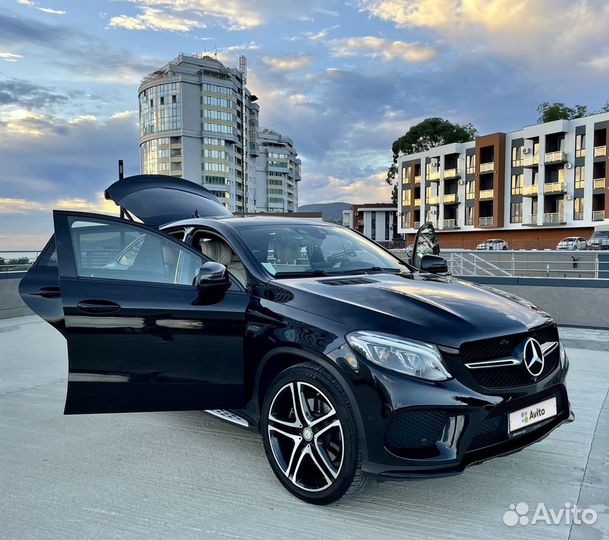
(415, 430)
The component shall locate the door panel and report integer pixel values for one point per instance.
(140, 336)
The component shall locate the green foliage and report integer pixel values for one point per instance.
(548, 112)
(394, 194)
(427, 134)
(605, 107)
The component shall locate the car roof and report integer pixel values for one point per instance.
(238, 222)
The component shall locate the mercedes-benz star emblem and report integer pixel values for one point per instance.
(532, 357)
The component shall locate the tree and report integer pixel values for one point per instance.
(548, 112)
(394, 194)
(605, 107)
(427, 134)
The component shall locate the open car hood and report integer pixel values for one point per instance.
(157, 199)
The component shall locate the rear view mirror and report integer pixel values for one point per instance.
(212, 277)
(432, 264)
(426, 243)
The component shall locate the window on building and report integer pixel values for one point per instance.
(162, 100)
(517, 184)
(516, 156)
(470, 163)
(174, 99)
(516, 212)
(578, 208)
(580, 145)
(580, 176)
(469, 215)
(373, 225)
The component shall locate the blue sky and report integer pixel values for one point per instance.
(343, 79)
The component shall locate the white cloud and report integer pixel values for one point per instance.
(375, 47)
(10, 57)
(234, 14)
(10, 205)
(287, 63)
(52, 11)
(123, 114)
(543, 33)
(156, 19)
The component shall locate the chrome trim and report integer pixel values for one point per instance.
(548, 347)
(500, 362)
(229, 416)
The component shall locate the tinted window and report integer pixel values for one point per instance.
(315, 248)
(120, 251)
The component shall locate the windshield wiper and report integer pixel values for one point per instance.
(308, 273)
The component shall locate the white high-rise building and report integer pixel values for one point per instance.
(277, 173)
(199, 121)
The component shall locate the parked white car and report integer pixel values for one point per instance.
(572, 243)
(492, 244)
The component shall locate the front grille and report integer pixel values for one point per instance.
(490, 349)
(494, 428)
(509, 376)
(415, 430)
(495, 348)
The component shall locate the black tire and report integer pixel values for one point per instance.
(323, 461)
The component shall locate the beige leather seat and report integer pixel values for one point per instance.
(218, 251)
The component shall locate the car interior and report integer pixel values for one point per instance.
(219, 251)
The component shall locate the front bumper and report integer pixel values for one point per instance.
(418, 429)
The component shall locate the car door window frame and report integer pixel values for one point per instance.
(68, 268)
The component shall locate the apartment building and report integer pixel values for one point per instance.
(199, 121)
(277, 173)
(530, 186)
(377, 221)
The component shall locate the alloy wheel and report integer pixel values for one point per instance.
(306, 436)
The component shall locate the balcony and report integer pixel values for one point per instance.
(555, 157)
(517, 190)
(470, 195)
(487, 167)
(434, 176)
(599, 183)
(598, 215)
(450, 174)
(531, 160)
(600, 151)
(578, 216)
(450, 224)
(417, 224)
(554, 187)
(553, 218)
(470, 170)
(486, 194)
(580, 152)
(433, 200)
(486, 221)
(530, 220)
(530, 191)
(417, 179)
(450, 198)
(417, 202)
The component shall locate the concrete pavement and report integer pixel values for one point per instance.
(189, 475)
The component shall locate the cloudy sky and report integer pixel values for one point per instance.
(343, 79)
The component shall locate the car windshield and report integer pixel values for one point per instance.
(320, 250)
(600, 234)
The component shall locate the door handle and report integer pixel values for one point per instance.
(97, 306)
(49, 292)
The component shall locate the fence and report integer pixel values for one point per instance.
(17, 260)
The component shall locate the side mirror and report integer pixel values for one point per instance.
(212, 277)
(432, 264)
(426, 243)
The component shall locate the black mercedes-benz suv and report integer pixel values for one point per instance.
(350, 363)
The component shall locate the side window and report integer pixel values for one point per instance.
(120, 251)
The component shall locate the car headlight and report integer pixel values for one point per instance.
(407, 356)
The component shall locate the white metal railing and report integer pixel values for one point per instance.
(417, 179)
(600, 151)
(449, 224)
(578, 216)
(530, 160)
(531, 263)
(531, 219)
(450, 198)
(486, 194)
(486, 221)
(434, 175)
(487, 167)
(555, 157)
(553, 217)
(598, 215)
(599, 183)
(530, 190)
(554, 187)
(17, 260)
(451, 173)
(433, 200)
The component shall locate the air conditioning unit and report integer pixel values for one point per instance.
(461, 182)
(568, 197)
(526, 150)
(569, 165)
